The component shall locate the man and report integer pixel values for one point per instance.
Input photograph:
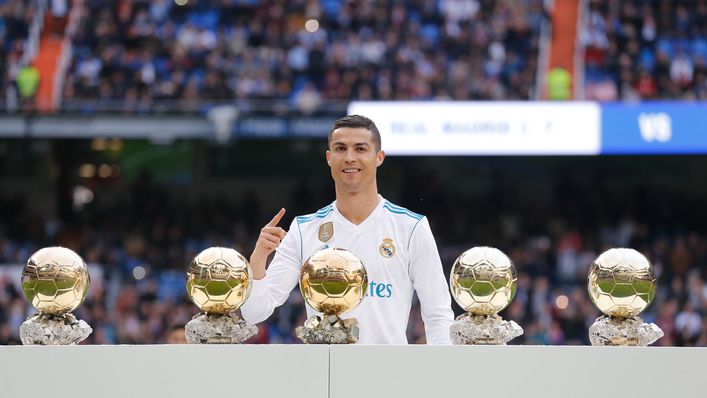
(395, 245)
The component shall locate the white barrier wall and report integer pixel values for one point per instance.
(234, 371)
(519, 371)
(170, 371)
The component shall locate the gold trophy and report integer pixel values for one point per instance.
(621, 284)
(332, 282)
(55, 281)
(483, 282)
(219, 281)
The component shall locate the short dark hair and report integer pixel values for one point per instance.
(357, 121)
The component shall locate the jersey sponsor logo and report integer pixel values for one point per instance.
(326, 231)
(387, 248)
(380, 290)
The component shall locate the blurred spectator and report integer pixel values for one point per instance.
(57, 17)
(559, 84)
(175, 335)
(688, 324)
(27, 81)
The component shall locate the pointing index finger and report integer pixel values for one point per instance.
(276, 219)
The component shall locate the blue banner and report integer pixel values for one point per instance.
(654, 128)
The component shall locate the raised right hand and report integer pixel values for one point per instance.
(269, 239)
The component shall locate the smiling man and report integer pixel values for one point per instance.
(395, 245)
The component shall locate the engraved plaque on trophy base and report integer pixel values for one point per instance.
(218, 329)
(329, 329)
(471, 329)
(632, 331)
(45, 329)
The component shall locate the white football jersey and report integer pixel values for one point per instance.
(399, 252)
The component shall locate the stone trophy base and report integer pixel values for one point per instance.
(469, 329)
(218, 329)
(44, 329)
(329, 329)
(608, 331)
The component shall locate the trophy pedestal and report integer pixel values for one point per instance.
(608, 331)
(469, 329)
(218, 329)
(329, 329)
(44, 329)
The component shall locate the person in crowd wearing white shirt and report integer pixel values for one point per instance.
(395, 245)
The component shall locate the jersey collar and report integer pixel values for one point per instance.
(363, 225)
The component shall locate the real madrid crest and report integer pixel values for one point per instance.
(326, 231)
(387, 248)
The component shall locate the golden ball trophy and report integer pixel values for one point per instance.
(621, 284)
(219, 281)
(332, 282)
(55, 281)
(483, 282)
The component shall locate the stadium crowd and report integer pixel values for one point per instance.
(304, 51)
(646, 50)
(128, 54)
(144, 245)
